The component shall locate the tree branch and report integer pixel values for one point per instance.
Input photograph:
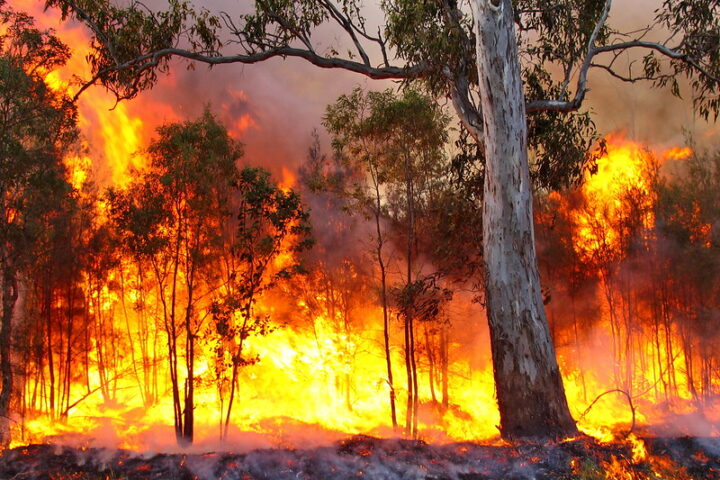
(663, 49)
(150, 60)
(581, 89)
(348, 26)
(468, 112)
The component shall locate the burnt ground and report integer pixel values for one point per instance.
(372, 458)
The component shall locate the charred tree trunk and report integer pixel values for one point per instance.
(48, 301)
(9, 299)
(444, 366)
(189, 400)
(189, 406)
(531, 397)
(384, 300)
(430, 352)
(237, 361)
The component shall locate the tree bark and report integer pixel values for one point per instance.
(530, 393)
(383, 297)
(9, 298)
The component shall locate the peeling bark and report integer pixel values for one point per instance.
(531, 397)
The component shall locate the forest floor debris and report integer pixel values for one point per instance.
(380, 459)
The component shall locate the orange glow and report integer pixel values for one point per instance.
(288, 180)
(621, 173)
(615, 215)
(321, 373)
(678, 153)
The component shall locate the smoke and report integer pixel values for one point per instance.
(649, 115)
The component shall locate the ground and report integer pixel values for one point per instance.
(380, 459)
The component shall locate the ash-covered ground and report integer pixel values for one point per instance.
(381, 459)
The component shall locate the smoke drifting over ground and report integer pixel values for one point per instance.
(366, 457)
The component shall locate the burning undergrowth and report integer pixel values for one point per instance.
(368, 457)
(97, 351)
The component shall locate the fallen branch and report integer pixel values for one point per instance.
(630, 402)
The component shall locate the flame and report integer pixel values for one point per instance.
(622, 172)
(678, 153)
(612, 215)
(118, 130)
(322, 370)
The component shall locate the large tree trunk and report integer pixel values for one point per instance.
(530, 393)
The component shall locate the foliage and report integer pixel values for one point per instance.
(697, 23)
(372, 132)
(37, 126)
(131, 31)
(432, 41)
(271, 227)
(270, 222)
(423, 299)
(192, 167)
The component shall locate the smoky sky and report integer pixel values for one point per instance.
(272, 107)
(286, 99)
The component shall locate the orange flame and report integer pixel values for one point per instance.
(316, 376)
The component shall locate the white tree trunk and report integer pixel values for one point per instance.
(531, 397)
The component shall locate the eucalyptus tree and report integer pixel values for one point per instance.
(493, 59)
(269, 222)
(37, 125)
(395, 143)
(170, 217)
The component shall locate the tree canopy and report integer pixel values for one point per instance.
(37, 126)
(560, 43)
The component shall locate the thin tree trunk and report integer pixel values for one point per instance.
(9, 299)
(408, 371)
(140, 384)
(383, 298)
(431, 366)
(410, 363)
(416, 398)
(444, 366)
(531, 397)
(65, 404)
(237, 358)
(189, 407)
(51, 364)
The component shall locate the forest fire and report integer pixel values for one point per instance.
(158, 319)
(621, 250)
(329, 367)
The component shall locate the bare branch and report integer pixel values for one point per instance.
(614, 390)
(629, 78)
(151, 60)
(616, 49)
(347, 25)
(468, 112)
(663, 49)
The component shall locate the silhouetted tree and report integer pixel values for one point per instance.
(37, 125)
